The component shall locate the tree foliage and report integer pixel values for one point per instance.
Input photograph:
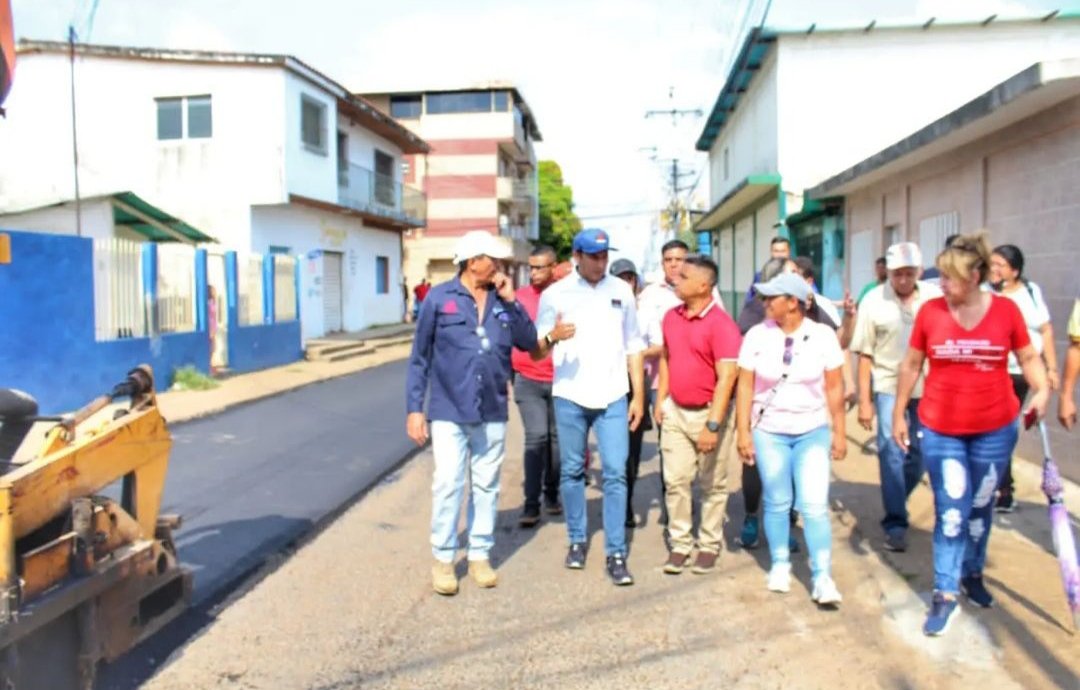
(558, 222)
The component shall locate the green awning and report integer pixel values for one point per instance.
(744, 195)
(132, 212)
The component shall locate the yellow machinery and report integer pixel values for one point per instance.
(84, 576)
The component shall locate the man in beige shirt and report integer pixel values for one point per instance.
(882, 331)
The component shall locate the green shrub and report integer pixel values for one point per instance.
(191, 379)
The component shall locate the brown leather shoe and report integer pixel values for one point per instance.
(676, 562)
(704, 563)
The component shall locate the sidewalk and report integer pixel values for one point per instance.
(180, 406)
(354, 607)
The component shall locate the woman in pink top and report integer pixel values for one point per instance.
(790, 386)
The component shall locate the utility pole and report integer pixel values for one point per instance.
(74, 133)
(674, 207)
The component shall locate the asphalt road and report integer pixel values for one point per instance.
(253, 480)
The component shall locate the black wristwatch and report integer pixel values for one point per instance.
(712, 426)
(549, 340)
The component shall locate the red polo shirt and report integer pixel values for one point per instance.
(694, 346)
(543, 371)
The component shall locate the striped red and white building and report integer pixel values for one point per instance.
(479, 175)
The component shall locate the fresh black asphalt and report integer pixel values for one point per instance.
(256, 478)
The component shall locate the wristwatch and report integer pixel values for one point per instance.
(549, 340)
(712, 426)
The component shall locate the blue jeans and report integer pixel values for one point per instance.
(465, 450)
(964, 473)
(900, 471)
(613, 437)
(803, 459)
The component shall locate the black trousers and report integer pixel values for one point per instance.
(1020, 388)
(542, 465)
(633, 459)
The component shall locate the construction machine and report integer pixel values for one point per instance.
(88, 566)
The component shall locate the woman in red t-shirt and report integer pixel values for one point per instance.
(969, 414)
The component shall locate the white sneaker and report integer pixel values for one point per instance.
(779, 579)
(825, 592)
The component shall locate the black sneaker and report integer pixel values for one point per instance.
(575, 557)
(529, 517)
(1005, 502)
(895, 541)
(552, 506)
(617, 571)
(975, 590)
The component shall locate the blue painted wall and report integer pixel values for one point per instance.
(257, 347)
(47, 344)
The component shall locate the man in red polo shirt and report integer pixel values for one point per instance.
(532, 392)
(697, 379)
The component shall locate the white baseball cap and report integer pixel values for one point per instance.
(480, 243)
(903, 255)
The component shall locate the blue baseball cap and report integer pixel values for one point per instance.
(592, 241)
(785, 284)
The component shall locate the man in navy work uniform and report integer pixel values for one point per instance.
(465, 331)
(589, 322)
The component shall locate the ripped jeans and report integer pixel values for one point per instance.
(964, 473)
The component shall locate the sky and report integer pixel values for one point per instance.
(589, 69)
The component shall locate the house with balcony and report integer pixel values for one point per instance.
(480, 173)
(800, 103)
(262, 152)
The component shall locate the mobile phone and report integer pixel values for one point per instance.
(1030, 417)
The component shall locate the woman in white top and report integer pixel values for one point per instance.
(1007, 278)
(790, 387)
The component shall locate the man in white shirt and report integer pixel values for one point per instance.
(656, 300)
(882, 331)
(589, 322)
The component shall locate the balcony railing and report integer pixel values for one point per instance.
(515, 232)
(365, 190)
(525, 188)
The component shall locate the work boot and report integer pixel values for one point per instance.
(444, 579)
(483, 573)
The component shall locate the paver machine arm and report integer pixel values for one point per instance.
(88, 567)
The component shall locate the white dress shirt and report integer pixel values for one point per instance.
(590, 368)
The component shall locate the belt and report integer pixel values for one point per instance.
(692, 408)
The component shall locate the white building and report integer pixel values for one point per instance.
(261, 152)
(798, 105)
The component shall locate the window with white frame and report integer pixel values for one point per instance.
(933, 232)
(186, 117)
(313, 124)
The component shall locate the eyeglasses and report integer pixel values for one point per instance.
(485, 342)
(789, 345)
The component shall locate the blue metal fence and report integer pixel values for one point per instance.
(48, 344)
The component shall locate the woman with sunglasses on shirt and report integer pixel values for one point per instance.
(969, 414)
(1007, 278)
(790, 388)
